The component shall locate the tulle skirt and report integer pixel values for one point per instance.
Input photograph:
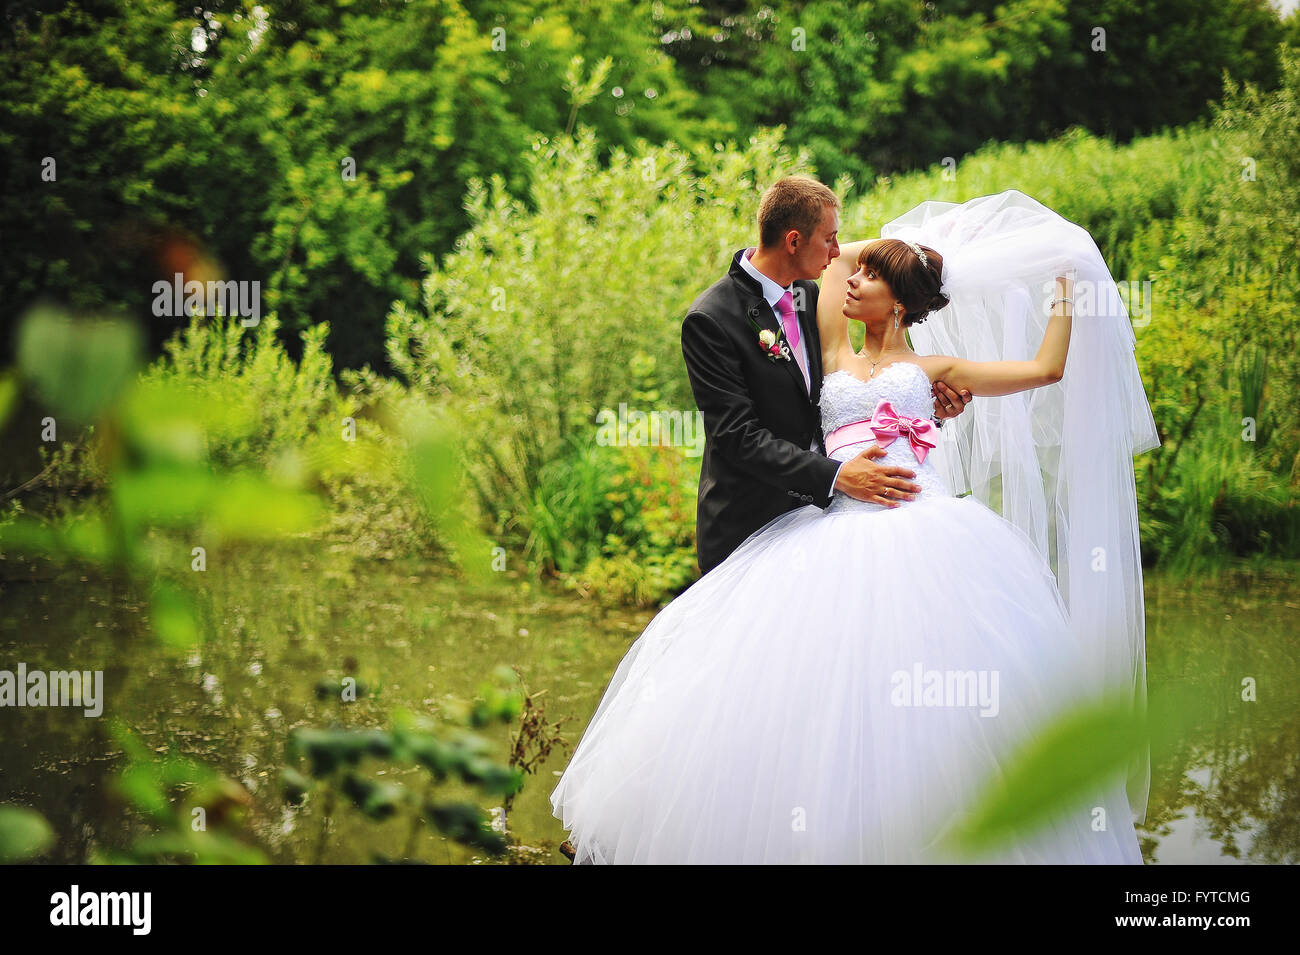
(839, 690)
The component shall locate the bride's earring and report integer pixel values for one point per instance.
(895, 316)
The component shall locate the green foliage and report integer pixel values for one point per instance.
(99, 90)
(334, 151)
(217, 443)
(521, 326)
(324, 149)
(647, 552)
(875, 88)
(1210, 498)
(24, 834)
(175, 450)
(1113, 191)
(1220, 356)
(880, 86)
(8, 396)
(617, 523)
(1084, 749)
(154, 455)
(387, 463)
(1164, 61)
(334, 758)
(268, 402)
(318, 148)
(435, 446)
(195, 814)
(79, 368)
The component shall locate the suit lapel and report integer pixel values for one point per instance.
(757, 308)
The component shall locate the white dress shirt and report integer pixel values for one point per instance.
(772, 294)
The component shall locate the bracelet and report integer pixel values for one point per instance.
(938, 422)
(1055, 300)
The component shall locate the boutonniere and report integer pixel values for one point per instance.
(773, 343)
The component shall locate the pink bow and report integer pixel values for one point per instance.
(887, 424)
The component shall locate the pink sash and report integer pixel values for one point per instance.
(885, 426)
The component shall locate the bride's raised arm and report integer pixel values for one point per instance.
(832, 325)
(1008, 377)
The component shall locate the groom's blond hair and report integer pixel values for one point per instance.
(794, 202)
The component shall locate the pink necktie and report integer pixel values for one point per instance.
(790, 322)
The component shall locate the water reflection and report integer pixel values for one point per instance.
(1231, 791)
(285, 620)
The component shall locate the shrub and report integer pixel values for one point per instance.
(537, 320)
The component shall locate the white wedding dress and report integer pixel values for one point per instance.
(784, 709)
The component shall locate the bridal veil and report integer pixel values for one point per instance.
(1056, 461)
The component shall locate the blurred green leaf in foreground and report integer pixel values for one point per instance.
(1075, 757)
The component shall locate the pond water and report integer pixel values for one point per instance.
(284, 619)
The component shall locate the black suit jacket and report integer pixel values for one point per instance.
(759, 418)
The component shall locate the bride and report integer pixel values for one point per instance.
(819, 696)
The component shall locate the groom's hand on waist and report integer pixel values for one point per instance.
(863, 478)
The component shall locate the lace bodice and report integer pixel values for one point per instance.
(845, 398)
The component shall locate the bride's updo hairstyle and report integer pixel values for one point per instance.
(914, 284)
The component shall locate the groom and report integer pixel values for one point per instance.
(763, 441)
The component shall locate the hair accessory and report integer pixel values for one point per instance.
(917, 249)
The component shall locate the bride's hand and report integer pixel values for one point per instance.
(949, 403)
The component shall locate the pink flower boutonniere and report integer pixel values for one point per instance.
(772, 343)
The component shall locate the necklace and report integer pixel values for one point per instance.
(873, 363)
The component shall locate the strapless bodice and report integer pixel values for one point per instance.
(846, 398)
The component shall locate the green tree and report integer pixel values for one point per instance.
(94, 126)
(320, 149)
(892, 85)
